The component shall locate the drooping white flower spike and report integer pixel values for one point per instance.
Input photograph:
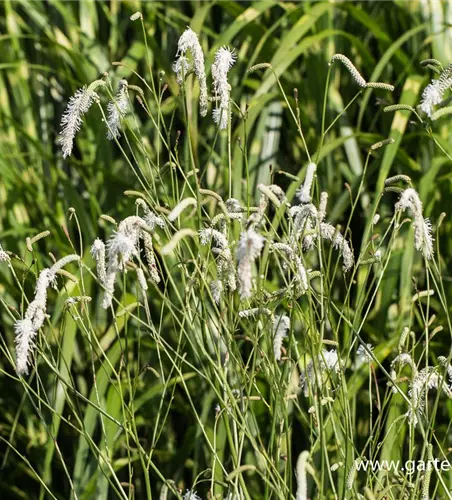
(121, 248)
(72, 118)
(189, 42)
(224, 60)
(249, 248)
(304, 193)
(117, 109)
(434, 92)
(281, 325)
(27, 328)
(423, 239)
(331, 233)
(302, 483)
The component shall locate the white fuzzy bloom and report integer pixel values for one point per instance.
(281, 325)
(136, 16)
(24, 340)
(427, 379)
(71, 120)
(302, 483)
(301, 275)
(328, 360)
(375, 219)
(121, 248)
(180, 207)
(321, 214)
(98, 254)
(150, 218)
(431, 96)
(153, 220)
(189, 42)
(224, 60)
(77, 299)
(363, 356)
(27, 328)
(216, 287)
(191, 495)
(142, 279)
(205, 235)
(304, 193)
(150, 256)
(110, 280)
(117, 110)
(4, 257)
(253, 312)
(234, 205)
(248, 249)
(225, 264)
(304, 221)
(423, 239)
(181, 67)
(329, 232)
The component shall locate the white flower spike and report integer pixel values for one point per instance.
(224, 60)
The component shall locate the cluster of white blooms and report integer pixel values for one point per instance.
(72, 118)
(189, 42)
(423, 239)
(225, 263)
(433, 94)
(427, 379)
(308, 222)
(328, 361)
(248, 249)
(305, 218)
(224, 60)
(27, 328)
(281, 325)
(152, 220)
(117, 110)
(121, 248)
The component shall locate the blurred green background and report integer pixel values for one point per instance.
(49, 49)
